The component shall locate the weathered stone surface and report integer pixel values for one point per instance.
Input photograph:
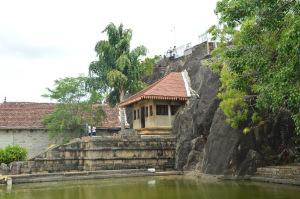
(15, 168)
(4, 169)
(249, 165)
(102, 153)
(196, 154)
(195, 119)
(221, 147)
(227, 150)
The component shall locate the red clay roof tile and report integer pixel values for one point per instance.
(170, 87)
(29, 115)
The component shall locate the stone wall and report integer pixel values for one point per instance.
(102, 153)
(35, 141)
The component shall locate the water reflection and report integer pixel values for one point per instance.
(175, 187)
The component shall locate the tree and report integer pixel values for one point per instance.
(119, 70)
(258, 59)
(77, 106)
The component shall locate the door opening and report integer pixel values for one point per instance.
(143, 117)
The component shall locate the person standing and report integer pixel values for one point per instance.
(94, 131)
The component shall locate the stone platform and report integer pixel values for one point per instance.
(102, 153)
(288, 174)
(86, 175)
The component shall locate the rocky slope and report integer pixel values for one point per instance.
(205, 142)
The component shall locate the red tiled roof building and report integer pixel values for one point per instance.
(21, 123)
(155, 106)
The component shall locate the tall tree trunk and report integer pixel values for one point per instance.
(122, 111)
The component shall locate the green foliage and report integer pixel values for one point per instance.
(77, 106)
(255, 118)
(12, 153)
(246, 130)
(260, 51)
(119, 70)
(68, 90)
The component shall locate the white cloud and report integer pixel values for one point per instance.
(43, 40)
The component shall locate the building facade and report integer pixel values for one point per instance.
(154, 108)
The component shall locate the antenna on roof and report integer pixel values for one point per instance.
(4, 100)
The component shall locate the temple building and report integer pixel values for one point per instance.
(154, 107)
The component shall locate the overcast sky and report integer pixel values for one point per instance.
(44, 40)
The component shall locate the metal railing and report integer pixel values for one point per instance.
(183, 50)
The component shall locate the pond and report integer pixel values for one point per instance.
(172, 187)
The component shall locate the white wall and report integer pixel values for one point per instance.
(154, 120)
(35, 141)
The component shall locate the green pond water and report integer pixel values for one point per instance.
(173, 187)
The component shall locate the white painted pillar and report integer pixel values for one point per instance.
(169, 114)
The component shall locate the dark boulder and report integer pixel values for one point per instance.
(228, 151)
(195, 119)
(221, 147)
(252, 161)
(196, 154)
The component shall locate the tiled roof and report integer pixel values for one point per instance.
(170, 87)
(29, 115)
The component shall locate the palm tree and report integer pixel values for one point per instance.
(119, 70)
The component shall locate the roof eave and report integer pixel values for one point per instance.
(153, 97)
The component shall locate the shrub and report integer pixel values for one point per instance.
(12, 153)
(2, 156)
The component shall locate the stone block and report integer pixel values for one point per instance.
(4, 169)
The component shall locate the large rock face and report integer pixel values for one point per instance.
(221, 138)
(196, 118)
(205, 141)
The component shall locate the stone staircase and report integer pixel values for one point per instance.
(86, 175)
(288, 174)
(102, 153)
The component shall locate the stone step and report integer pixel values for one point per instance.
(116, 145)
(86, 175)
(279, 172)
(102, 153)
(96, 163)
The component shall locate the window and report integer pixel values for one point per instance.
(161, 109)
(134, 115)
(146, 111)
(138, 114)
(174, 109)
(151, 111)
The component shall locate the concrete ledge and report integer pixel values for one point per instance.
(276, 180)
(263, 179)
(85, 175)
(150, 148)
(110, 158)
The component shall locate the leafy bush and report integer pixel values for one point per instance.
(258, 60)
(12, 153)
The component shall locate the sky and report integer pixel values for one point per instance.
(45, 40)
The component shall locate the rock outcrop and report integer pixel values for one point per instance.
(229, 151)
(196, 118)
(205, 142)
